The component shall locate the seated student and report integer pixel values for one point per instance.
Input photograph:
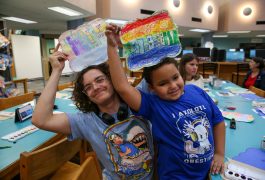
(256, 75)
(187, 126)
(188, 69)
(124, 147)
(6, 92)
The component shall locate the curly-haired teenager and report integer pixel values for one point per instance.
(130, 155)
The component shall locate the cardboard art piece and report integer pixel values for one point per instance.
(147, 41)
(86, 45)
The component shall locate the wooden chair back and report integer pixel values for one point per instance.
(43, 162)
(64, 86)
(90, 168)
(16, 100)
(24, 81)
(209, 69)
(241, 70)
(257, 91)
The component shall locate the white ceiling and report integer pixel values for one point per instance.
(50, 22)
(37, 10)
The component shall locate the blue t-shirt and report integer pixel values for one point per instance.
(183, 131)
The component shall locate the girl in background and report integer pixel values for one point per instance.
(188, 69)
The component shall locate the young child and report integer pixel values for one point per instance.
(187, 126)
(188, 68)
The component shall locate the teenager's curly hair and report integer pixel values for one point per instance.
(82, 102)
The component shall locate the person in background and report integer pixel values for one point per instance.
(103, 115)
(187, 126)
(188, 69)
(9, 91)
(256, 75)
(2, 86)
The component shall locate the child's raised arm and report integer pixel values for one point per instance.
(128, 93)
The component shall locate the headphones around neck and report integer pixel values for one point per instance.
(122, 114)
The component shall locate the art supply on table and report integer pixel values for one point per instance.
(247, 165)
(5, 147)
(14, 136)
(232, 123)
(231, 108)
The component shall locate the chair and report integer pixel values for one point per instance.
(209, 69)
(52, 162)
(24, 81)
(16, 100)
(257, 91)
(241, 70)
(64, 86)
(89, 168)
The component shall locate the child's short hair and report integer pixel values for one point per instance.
(148, 70)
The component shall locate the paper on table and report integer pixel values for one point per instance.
(6, 115)
(224, 93)
(251, 96)
(237, 90)
(238, 116)
(62, 95)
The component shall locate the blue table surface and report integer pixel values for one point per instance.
(245, 135)
(29, 142)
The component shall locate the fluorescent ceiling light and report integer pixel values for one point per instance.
(220, 36)
(66, 11)
(116, 21)
(261, 35)
(238, 32)
(199, 30)
(25, 21)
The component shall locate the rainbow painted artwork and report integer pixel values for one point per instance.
(86, 45)
(147, 41)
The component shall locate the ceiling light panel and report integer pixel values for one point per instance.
(66, 11)
(199, 30)
(25, 21)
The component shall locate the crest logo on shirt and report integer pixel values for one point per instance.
(195, 127)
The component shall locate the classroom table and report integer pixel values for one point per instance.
(9, 157)
(246, 135)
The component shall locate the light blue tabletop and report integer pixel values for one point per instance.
(29, 142)
(245, 135)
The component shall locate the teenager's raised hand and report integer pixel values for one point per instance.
(113, 35)
(57, 59)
